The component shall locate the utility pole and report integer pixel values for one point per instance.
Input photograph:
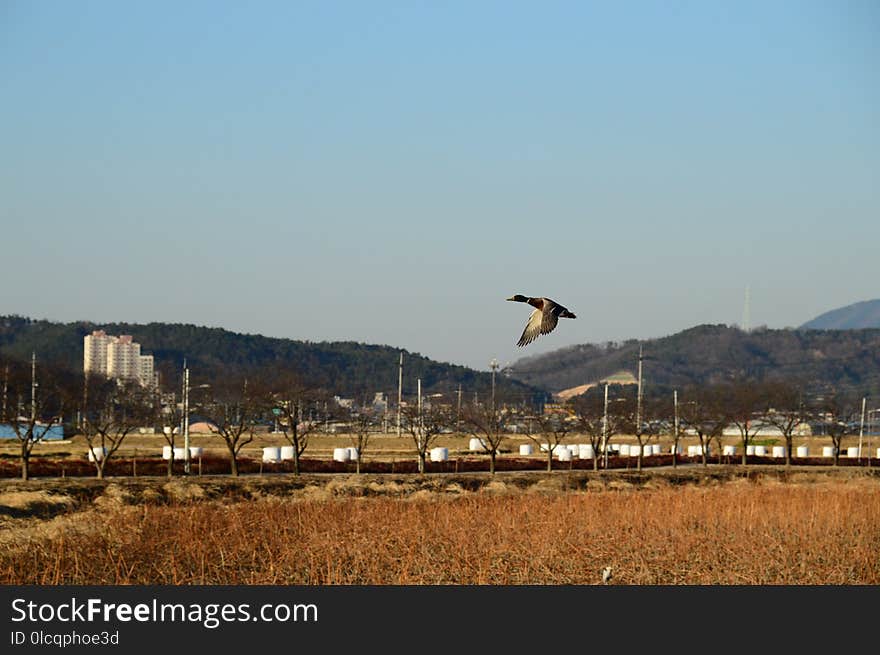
(675, 428)
(639, 397)
(494, 366)
(605, 428)
(33, 389)
(458, 412)
(862, 427)
(399, 391)
(186, 419)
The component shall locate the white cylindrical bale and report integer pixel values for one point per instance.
(563, 454)
(195, 452)
(271, 454)
(676, 449)
(180, 454)
(615, 447)
(525, 449)
(852, 451)
(827, 451)
(624, 449)
(585, 451)
(656, 449)
(166, 452)
(96, 454)
(802, 451)
(728, 451)
(778, 451)
(340, 454)
(352, 453)
(760, 451)
(439, 454)
(634, 450)
(545, 447)
(693, 451)
(750, 449)
(286, 452)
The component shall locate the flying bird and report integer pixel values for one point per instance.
(543, 318)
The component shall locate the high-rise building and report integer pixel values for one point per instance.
(118, 358)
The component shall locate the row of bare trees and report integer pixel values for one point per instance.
(106, 412)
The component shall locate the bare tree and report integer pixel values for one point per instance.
(747, 402)
(360, 432)
(169, 419)
(593, 421)
(292, 399)
(837, 416)
(29, 423)
(701, 412)
(484, 422)
(234, 413)
(549, 431)
(788, 414)
(425, 425)
(111, 411)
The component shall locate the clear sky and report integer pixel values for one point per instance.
(390, 172)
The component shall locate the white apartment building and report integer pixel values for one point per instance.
(117, 357)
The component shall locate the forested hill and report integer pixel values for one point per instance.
(820, 359)
(347, 368)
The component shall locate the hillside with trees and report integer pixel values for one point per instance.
(820, 360)
(349, 369)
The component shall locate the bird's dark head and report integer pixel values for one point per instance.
(518, 298)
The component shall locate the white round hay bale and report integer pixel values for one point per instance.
(287, 452)
(96, 454)
(750, 449)
(525, 449)
(624, 449)
(545, 447)
(166, 452)
(439, 454)
(852, 451)
(802, 451)
(760, 451)
(656, 449)
(675, 449)
(585, 451)
(778, 451)
(563, 453)
(195, 452)
(180, 454)
(475, 445)
(271, 454)
(615, 447)
(352, 453)
(634, 450)
(340, 454)
(728, 451)
(827, 451)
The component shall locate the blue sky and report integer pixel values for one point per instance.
(390, 172)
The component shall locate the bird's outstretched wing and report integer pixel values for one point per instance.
(539, 323)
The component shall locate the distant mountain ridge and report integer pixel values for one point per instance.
(858, 316)
(347, 368)
(847, 360)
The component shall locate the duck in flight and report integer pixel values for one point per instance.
(543, 318)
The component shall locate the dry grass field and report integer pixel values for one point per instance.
(722, 526)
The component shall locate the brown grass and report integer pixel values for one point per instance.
(818, 531)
